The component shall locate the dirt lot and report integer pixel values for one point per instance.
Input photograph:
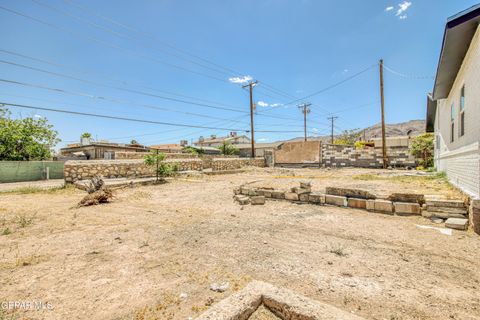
(155, 250)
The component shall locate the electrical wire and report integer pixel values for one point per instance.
(115, 117)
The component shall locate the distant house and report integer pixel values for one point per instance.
(260, 148)
(214, 141)
(94, 150)
(453, 110)
(168, 148)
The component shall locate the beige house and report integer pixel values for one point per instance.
(453, 110)
(214, 141)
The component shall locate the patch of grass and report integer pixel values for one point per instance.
(338, 250)
(367, 177)
(33, 190)
(5, 316)
(24, 220)
(6, 232)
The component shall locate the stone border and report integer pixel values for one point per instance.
(406, 204)
(284, 303)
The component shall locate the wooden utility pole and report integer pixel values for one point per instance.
(332, 119)
(384, 139)
(305, 109)
(250, 85)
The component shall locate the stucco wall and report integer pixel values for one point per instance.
(461, 159)
(298, 152)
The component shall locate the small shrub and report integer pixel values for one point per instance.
(6, 232)
(339, 251)
(25, 220)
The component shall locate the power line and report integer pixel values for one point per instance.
(124, 102)
(407, 76)
(132, 52)
(130, 28)
(117, 88)
(123, 82)
(123, 36)
(116, 117)
(333, 85)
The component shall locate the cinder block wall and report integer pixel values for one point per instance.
(348, 156)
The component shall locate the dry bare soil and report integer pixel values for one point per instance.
(154, 251)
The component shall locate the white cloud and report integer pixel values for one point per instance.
(262, 139)
(402, 7)
(240, 79)
(276, 105)
(37, 116)
(262, 104)
(315, 130)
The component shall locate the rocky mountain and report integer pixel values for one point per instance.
(412, 128)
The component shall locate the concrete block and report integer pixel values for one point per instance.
(407, 197)
(357, 203)
(383, 206)
(276, 194)
(350, 193)
(336, 200)
(316, 198)
(303, 197)
(447, 209)
(370, 205)
(255, 200)
(245, 191)
(242, 199)
(267, 193)
(292, 196)
(406, 208)
(456, 223)
(306, 185)
(446, 203)
(298, 190)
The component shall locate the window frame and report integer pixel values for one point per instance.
(452, 122)
(461, 126)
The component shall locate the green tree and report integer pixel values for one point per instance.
(26, 138)
(157, 160)
(422, 147)
(134, 141)
(86, 135)
(228, 149)
(348, 137)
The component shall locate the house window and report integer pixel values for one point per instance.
(452, 124)
(462, 111)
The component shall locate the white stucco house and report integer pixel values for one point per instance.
(453, 109)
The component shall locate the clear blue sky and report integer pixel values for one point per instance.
(297, 47)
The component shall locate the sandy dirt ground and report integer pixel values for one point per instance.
(155, 250)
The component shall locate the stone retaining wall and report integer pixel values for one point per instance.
(86, 169)
(349, 156)
(135, 168)
(219, 164)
